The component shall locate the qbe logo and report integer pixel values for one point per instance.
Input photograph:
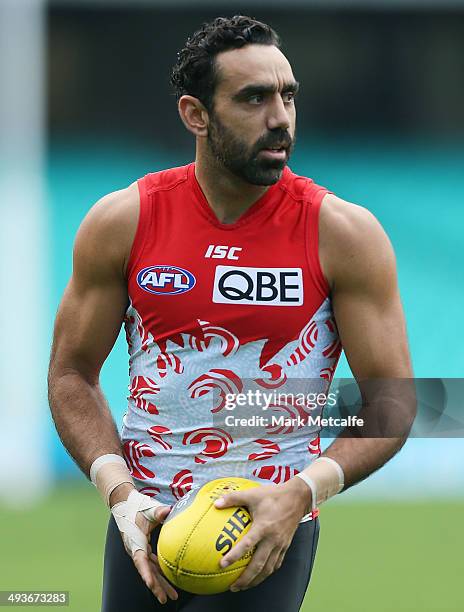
(165, 280)
(258, 286)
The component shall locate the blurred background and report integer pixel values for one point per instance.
(86, 108)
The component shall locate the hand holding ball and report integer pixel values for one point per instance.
(196, 535)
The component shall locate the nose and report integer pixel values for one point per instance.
(278, 114)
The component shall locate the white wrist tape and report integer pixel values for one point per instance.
(124, 514)
(107, 472)
(325, 478)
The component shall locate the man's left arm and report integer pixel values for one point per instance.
(359, 264)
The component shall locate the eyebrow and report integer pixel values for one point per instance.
(261, 89)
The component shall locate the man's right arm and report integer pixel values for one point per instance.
(87, 325)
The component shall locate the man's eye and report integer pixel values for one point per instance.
(289, 96)
(256, 99)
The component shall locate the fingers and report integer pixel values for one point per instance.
(247, 543)
(260, 566)
(142, 564)
(236, 498)
(156, 514)
(152, 577)
(281, 558)
(167, 586)
(268, 569)
(162, 513)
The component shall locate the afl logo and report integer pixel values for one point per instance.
(165, 280)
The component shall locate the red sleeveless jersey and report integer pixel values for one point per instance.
(216, 310)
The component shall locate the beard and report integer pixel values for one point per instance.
(244, 161)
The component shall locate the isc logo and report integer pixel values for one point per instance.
(222, 252)
(165, 280)
(258, 286)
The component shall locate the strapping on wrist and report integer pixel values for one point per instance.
(325, 478)
(108, 472)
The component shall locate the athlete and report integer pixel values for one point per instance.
(228, 273)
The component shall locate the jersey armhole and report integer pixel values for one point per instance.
(144, 227)
(312, 242)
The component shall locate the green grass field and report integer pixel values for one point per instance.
(371, 557)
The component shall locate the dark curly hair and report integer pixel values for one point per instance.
(195, 71)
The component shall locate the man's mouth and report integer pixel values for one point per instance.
(277, 152)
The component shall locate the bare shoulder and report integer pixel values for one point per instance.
(107, 232)
(353, 247)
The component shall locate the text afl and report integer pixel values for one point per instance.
(165, 280)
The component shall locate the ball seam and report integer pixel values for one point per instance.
(190, 573)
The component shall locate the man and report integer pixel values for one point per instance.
(229, 269)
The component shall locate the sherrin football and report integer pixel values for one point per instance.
(196, 535)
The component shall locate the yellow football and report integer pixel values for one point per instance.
(196, 535)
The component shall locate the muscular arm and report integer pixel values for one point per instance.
(358, 261)
(87, 325)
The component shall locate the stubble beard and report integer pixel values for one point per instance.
(232, 153)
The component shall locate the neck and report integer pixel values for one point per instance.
(228, 195)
